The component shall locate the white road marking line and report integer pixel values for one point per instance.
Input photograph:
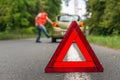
(74, 56)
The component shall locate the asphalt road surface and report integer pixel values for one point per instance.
(26, 60)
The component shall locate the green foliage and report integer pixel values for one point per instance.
(29, 30)
(53, 11)
(19, 15)
(105, 16)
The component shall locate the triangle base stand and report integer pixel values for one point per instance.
(72, 69)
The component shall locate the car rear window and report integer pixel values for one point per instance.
(68, 18)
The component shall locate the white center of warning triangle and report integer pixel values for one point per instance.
(73, 54)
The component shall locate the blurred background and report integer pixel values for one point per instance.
(101, 18)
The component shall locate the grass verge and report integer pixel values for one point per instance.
(7, 36)
(108, 41)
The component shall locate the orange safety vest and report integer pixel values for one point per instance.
(42, 18)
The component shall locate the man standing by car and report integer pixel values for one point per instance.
(40, 21)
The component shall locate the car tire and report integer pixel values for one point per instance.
(53, 39)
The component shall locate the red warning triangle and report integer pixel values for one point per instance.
(57, 64)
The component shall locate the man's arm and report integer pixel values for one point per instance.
(36, 21)
(54, 24)
(50, 21)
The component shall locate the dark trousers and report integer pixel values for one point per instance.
(40, 29)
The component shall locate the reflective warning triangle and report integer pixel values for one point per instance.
(74, 34)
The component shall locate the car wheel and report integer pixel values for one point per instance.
(53, 39)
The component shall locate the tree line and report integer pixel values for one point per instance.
(103, 17)
(17, 15)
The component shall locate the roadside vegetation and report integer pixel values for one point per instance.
(18, 33)
(17, 17)
(6, 36)
(104, 22)
(107, 41)
(102, 18)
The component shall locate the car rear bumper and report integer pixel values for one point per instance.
(58, 32)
